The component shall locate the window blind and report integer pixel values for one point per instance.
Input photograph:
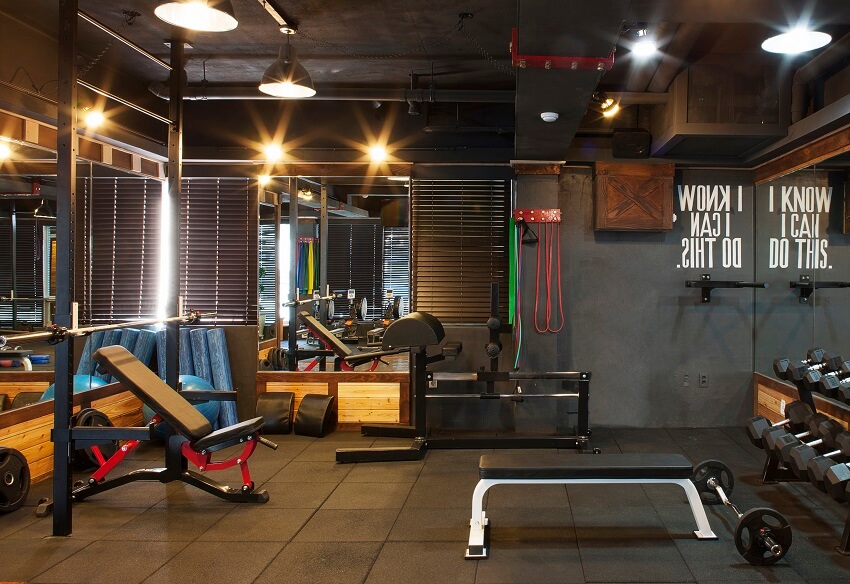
(355, 251)
(397, 262)
(459, 246)
(218, 248)
(28, 271)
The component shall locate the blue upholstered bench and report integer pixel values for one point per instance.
(541, 468)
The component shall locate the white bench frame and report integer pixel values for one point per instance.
(479, 521)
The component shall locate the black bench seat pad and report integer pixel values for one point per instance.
(556, 465)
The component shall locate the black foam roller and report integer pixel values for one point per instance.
(316, 416)
(276, 409)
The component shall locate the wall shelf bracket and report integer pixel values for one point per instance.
(806, 286)
(707, 285)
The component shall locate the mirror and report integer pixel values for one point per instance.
(267, 246)
(802, 251)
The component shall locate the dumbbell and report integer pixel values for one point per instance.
(834, 439)
(836, 386)
(836, 481)
(814, 380)
(818, 466)
(796, 414)
(815, 358)
(762, 535)
(796, 372)
(772, 437)
(786, 444)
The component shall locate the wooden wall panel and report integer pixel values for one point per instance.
(633, 197)
(368, 402)
(771, 396)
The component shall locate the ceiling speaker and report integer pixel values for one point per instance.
(630, 144)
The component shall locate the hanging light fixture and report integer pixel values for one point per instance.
(604, 104)
(202, 15)
(287, 77)
(44, 211)
(796, 40)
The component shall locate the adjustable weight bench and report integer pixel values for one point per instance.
(346, 359)
(541, 468)
(195, 439)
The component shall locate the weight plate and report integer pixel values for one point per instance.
(14, 479)
(762, 536)
(707, 470)
(362, 308)
(85, 457)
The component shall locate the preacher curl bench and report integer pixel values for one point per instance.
(194, 440)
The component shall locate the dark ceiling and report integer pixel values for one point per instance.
(372, 48)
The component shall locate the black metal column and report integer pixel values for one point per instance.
(291, 357)
(66, 188)
(175, 177)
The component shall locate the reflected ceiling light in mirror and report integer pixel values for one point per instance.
(264, 179)
(377, 153)
(399, 178)
(5, 151)
(797, 40)
(611, 111)
(94, 119)
(202, 15)
(274, 153)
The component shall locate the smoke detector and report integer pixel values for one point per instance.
(549, 116)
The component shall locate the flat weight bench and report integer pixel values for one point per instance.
(545, 468)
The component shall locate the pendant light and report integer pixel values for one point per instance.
(201, 15)
(287, 77)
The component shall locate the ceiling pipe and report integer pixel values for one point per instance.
(674, 57)
(815, 68)
(420, 95)
(198, 92)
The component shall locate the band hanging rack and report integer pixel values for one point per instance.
(57, 334)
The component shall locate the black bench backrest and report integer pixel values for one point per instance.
(327, 337)
(153, 391)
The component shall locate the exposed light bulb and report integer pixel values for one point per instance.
(611, 111)
(798, 40)
(5, 151)
(94, 119)
(644, 47)
(264, 179)
(378, 153)
(273, 152)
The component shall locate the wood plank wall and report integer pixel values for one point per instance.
(771, 396)
(27, 429)
(377, 397)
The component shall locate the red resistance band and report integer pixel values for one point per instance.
(550, 238)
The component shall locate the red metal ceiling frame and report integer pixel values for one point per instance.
(557, 62)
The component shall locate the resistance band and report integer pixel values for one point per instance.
(550, 239)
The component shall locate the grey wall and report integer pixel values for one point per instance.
(643, 334)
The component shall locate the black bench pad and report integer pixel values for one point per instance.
(554, 465)
(229, 433)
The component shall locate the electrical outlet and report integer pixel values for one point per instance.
(703, 379)
(686, 380)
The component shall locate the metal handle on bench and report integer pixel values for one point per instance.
(267, 442)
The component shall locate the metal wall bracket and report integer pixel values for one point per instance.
(807, 286)
(707, 285)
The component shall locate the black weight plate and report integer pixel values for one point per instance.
(14, 479)
(707, 469)
(752, 531)
(85, 457)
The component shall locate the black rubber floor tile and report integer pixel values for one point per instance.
(183, 494)
(178, 523)
(431, 525)
(385, 472)
(699, 436)
(719, 560)
(618, 521)
(814, 557)
(452, 456)
(348, 525)
(446, 490)
(205, 562)
(25, 559)
(298, 495)
(425, 562)
(258, 523)
(90, 522)
(17, 520)
(527, 496)
(136, 494)
(531, 524)
(607, 495)
(321, 472)
(321, 563)
(632, 560)
(368, 496)
(520, 563)
(326, 451)
(107, 562)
